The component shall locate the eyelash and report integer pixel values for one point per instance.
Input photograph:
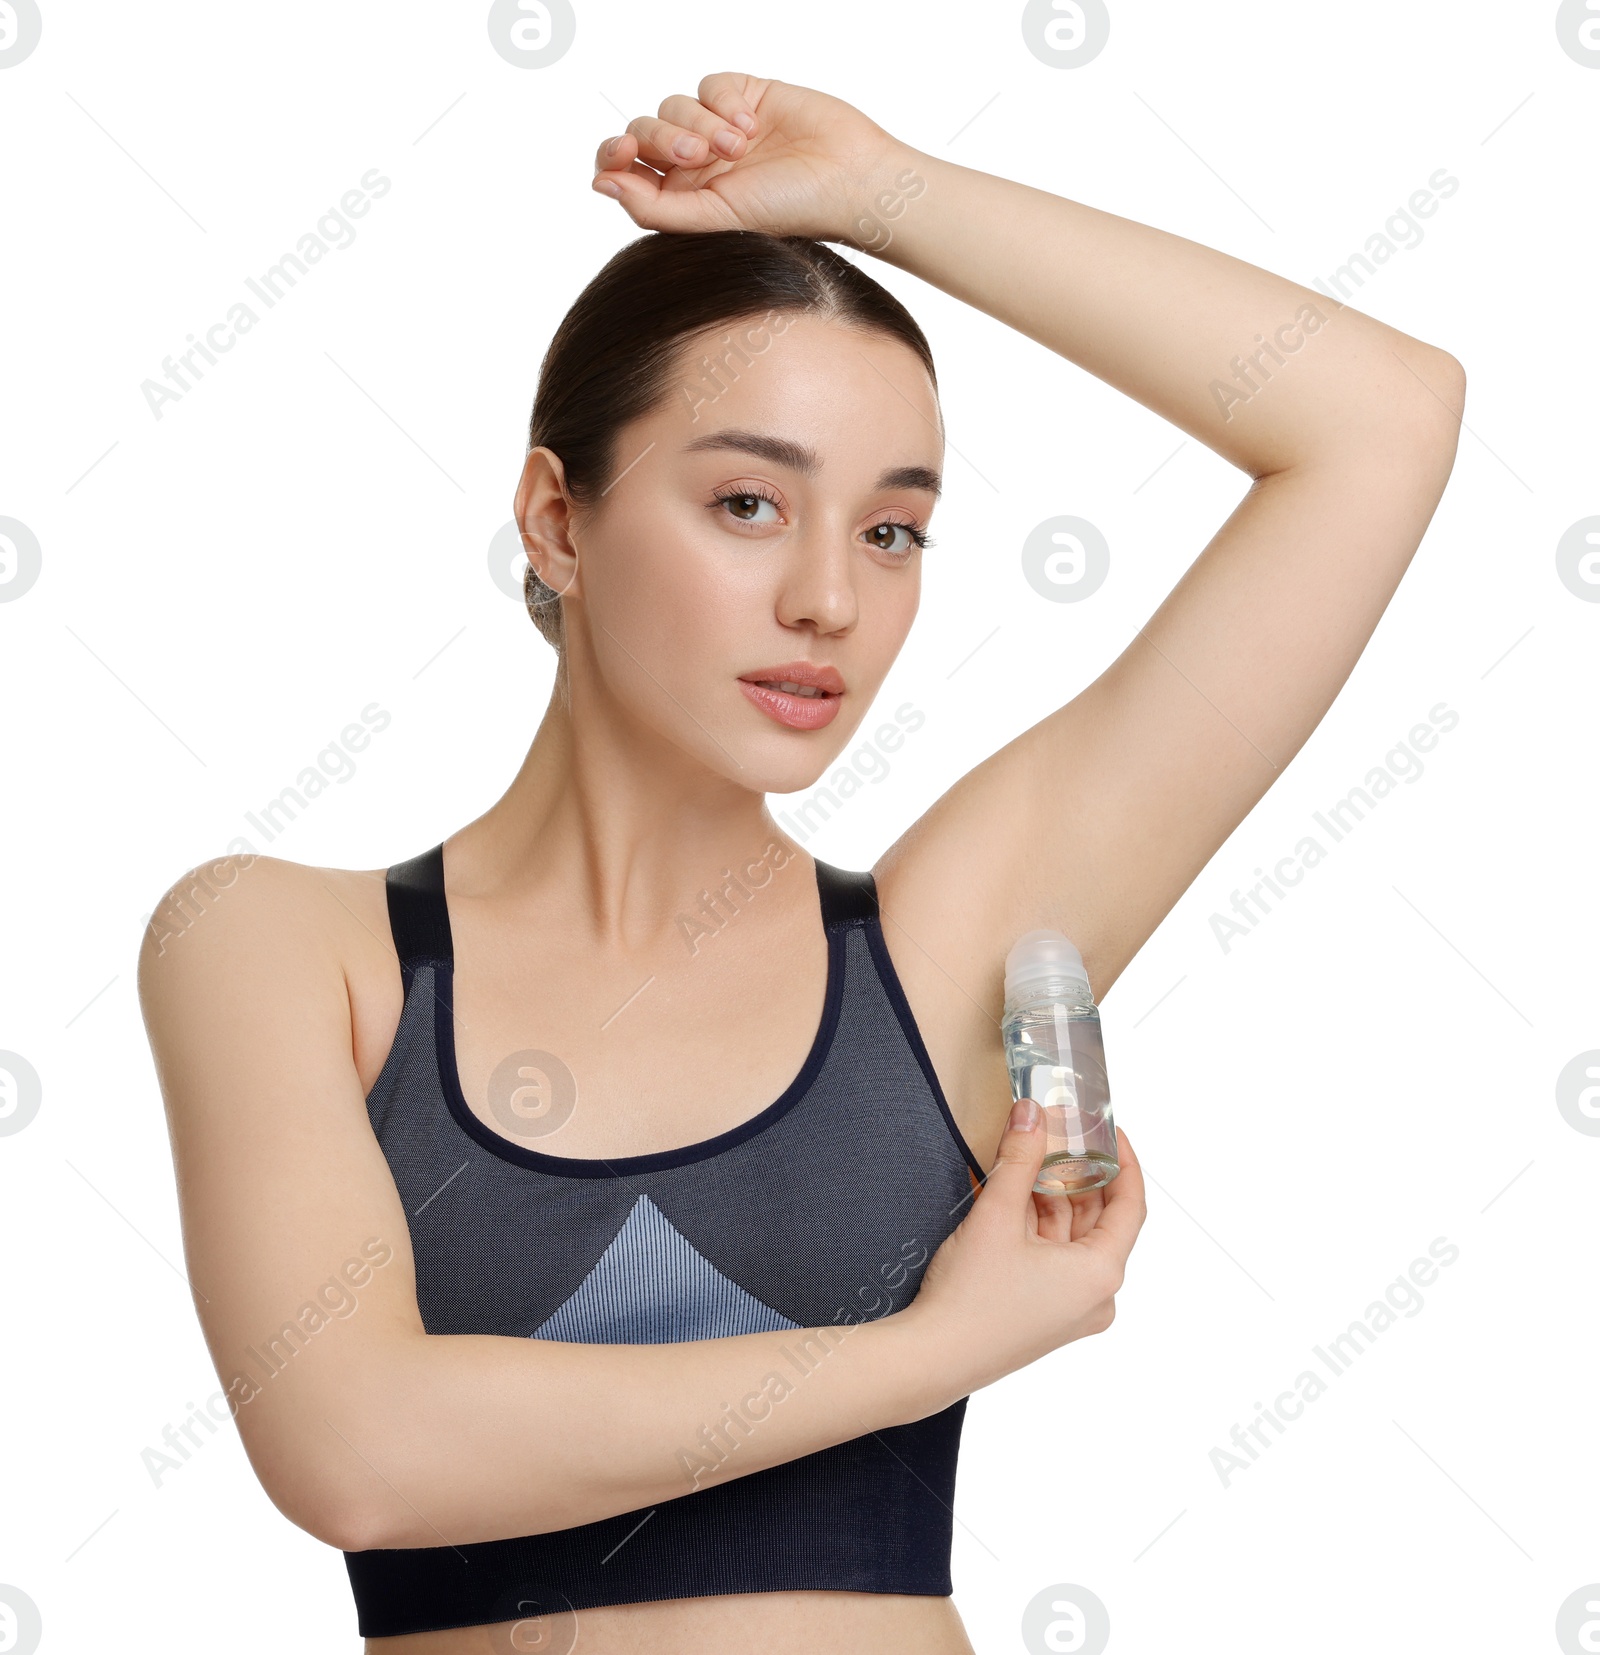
(920, 538)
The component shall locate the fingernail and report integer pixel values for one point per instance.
(1024, 1115)
(611, 146)
(745, 123)
(727, 142)
(607, 186)
(685, 146)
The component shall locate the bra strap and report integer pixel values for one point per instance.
(420, 920)
(418, 916)
(849, 896)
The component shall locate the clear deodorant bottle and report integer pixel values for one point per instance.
(1056, 1056)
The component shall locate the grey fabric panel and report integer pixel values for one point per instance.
(832, 1212)
(651, 1287)
(497, 1247)
(828, 1214)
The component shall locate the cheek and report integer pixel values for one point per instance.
(889, 610)
(655, 583)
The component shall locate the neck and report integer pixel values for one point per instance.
(611, 821)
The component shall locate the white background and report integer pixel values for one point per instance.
(306, 532)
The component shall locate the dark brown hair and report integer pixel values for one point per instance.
(612, 358)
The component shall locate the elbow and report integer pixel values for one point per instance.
(355, 1526)
(344, 1518)
(1430, 421)
(1447, 380)
(349, 1520)
(346, 1508)
(376, 1517)
(340, 1498)
(367, 1513)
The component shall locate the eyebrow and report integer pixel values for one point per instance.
(797, 456)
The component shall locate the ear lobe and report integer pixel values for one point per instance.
(551, 553)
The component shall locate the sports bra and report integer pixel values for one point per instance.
(823, 1208)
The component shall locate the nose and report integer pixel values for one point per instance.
(817, 586)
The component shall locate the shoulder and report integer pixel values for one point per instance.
(250, 920)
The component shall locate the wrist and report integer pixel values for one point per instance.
(884, 190)
(927, 1353)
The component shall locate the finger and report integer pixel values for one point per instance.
(620, 154)
(721, 138)
(615, 160)
(1123, 1212)
(734, 98)
(1016, 1166)
(1086, 1210)
(1128, 1160)
(1057, 1215)
(666, 145)
(651, 205)
(1070, 1215)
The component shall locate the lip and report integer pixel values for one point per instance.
(799, 672)
(796, 712)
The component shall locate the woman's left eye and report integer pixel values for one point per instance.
(881, 538)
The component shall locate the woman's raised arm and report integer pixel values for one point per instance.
(1099, 817)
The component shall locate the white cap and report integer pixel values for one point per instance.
(1037, 955)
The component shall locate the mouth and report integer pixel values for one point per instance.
(809, 691)
(798, 694)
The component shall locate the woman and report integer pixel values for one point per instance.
(594, 1339)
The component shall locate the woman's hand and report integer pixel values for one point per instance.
(1023, 1273)
(750, 154)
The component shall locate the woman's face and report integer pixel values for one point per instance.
(765, 514)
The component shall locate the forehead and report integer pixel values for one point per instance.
(857, 399)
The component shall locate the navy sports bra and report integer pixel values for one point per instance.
(823, 1208)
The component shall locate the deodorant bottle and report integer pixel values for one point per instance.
(1055, 1056)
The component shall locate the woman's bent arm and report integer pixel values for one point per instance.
(1100, 816)
(368, 1431)
(1191, 332)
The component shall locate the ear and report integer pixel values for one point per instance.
(545, 515)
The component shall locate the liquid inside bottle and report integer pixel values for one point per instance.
(1056, 1055)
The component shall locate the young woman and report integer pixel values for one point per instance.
(582, 1214)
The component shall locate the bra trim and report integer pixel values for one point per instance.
(839, 913)
(892, 987)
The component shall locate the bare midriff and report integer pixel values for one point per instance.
(775, 1623)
